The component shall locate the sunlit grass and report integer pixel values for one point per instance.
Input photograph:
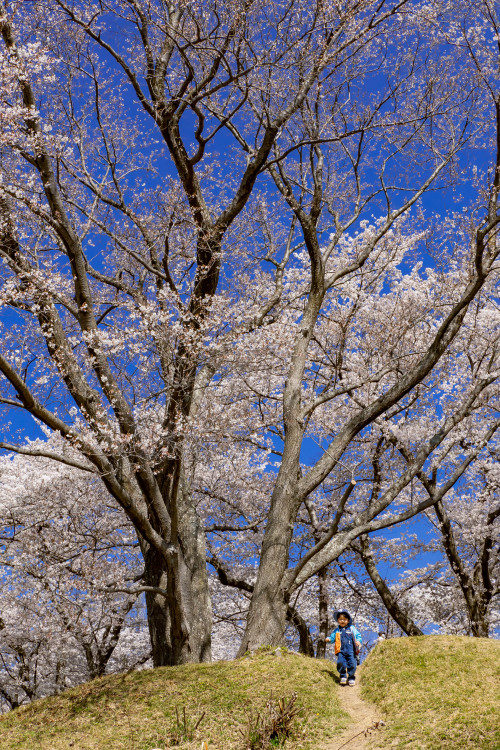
(437, 692)
(137, 711)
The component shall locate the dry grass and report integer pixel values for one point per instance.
(137, 711)
(436, 692)
(439, 692)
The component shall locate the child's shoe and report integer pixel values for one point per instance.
(352, 681)
(343, 680)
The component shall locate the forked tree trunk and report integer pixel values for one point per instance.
(180, 623)
(267, 613)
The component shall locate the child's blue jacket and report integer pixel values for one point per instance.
(347, 640)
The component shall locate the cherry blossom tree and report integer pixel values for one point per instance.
(67, 558)
(469, 535)
(33, 656)
(466, 581)
(85, 167)
(415, 363)
(216, 259)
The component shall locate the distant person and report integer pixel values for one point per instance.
(347, 642)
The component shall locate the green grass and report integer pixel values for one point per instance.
(136, 711)
(436, 692)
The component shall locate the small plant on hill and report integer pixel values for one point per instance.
(185, 727)
(271, 728)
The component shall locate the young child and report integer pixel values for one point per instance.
(347, 645)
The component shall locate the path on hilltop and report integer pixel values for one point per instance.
(365, 717)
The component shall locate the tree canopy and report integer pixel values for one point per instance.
(249, 268)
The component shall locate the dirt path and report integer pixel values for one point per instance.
(363, 728)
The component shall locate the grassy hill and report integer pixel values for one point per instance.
(434, 692)
(137, 711)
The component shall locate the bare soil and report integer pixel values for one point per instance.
(365, 725)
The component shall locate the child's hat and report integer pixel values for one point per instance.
(339, 612)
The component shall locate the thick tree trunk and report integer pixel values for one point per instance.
(398, 615)
(267, 614)
(193, 543)
(180, 623)
(478, 620)
(155, 575)
(323, 613)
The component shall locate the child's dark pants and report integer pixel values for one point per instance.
(346, 662)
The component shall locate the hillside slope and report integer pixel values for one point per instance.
(434, 692)
(439, 692)
(137, 711)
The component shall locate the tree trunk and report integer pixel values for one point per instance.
(398, 615)
(323, 613)
(478, 621)
(180, 622)
(193, 543)
(306, 645)
(267, 614)
(155, 574)
(475, 596)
